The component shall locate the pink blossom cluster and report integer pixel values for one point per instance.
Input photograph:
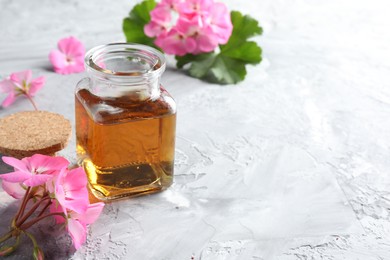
(55, 187)
(189, 26)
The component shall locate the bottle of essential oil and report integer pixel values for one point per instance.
(125, 121)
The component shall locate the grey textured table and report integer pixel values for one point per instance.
(293, 163)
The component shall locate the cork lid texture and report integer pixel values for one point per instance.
(26, 133)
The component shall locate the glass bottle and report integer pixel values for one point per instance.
(125, 121)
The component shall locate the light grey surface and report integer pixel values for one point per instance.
(293, 163)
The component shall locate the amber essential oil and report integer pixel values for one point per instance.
(125, 144)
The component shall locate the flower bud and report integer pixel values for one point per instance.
(6, 250)
(38, 254)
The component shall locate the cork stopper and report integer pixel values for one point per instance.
(26, 133)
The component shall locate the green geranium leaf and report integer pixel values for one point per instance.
(244, 27)
(183, 60)
(219, 69)
(133, 25)
(227, 66)
(248, 52)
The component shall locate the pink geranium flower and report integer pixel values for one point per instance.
(69, 58)
(191, 26)
(178, 41)
(70, 189)
(33, 171)
(20, 83)
(162, 18)
(71, 199)
(62, 191)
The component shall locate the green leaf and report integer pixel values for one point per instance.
(248, 52)
(133, 25)
(227, 70)
(244, 27)
(200, 67)
(183, 60)
(229, 65)
(219, 69)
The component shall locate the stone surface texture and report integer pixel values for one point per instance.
(292, 163)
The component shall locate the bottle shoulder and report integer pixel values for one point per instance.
(111, 110)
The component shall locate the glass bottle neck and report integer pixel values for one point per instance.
(125, 69)
(138, 88)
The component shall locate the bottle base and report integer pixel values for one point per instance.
(109, 184)
(96, 191)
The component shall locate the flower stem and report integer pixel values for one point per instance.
(6, 250)
(32, 239)
(31, 211)
(32, 222)
(32, 101)
(5, 237)
(23, 206)
(44, 208)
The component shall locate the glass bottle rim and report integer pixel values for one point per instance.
(152, 59)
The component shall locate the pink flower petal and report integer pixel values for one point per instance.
(71, 47)
(21, 77)
(195, 6)
(6, 86)
(154, 29)
(70, 68)
(74, 68)
(78, 232)
(71, 190)
(92, 213)
(55, 207)
(59, 180)
(161, 14)
(37, 179)
(206, 41)
(220, 22)
(35, 85)
(78, 195)
(47, 164)
(75, 179)
(13, 189)
(57, 59)
(176, 43)
(188, 27)
(190, 45)
(79, 206)
(15, 177)
(17, 164)
(9, 100)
